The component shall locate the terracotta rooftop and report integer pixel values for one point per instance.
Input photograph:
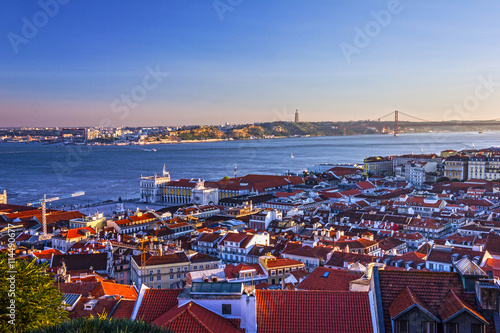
(318, 252)
(209, 237)
(102, 305)
(313, 311)
(282, 262)
(124, 309)
(431, 289)
(156, 302)
(193, 318)
(167, 259)
(453, 305)
(493, 244)
(331, 279)
(407, 300)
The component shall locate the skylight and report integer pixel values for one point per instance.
(325, 274)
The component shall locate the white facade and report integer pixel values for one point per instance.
(204, 196)
(151, 187)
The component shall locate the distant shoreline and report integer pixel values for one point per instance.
(230, 139)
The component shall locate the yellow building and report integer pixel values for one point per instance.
(279, 269)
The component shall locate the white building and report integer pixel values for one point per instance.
(262, 219)
(204, 196)
(151, 187)
(482, 167)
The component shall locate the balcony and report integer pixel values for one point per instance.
(232, 251)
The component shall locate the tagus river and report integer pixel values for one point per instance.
(27, 171)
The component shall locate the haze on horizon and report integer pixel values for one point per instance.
(243, 61)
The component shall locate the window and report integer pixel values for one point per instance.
(195, 267)
(273, 273)
(207, 266)
(451, 328)
(178, 276)
(158, 278)
(151, 278)
(158, 271)
(171, 270)
(280, 272)
(428, 327)
(159, 286)
(171, 276)
(151, 272)
(178, 269)
(402, 326)
(476, 328)
(226, 309)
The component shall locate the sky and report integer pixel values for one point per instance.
(182, 62)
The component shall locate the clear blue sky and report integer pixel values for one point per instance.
(260, 62)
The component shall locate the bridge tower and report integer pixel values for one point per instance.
(396, 123)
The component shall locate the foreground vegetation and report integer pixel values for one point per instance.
(100, 325)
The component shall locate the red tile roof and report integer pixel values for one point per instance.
(111, 289)
(406, 300)
(46, 254)
(352, 192)
(99, 289)
(209, 237)
(493, 244)
(236, 237)
(313, 311)
(492, 265)
(338, 259)
(452, 305)
(103, 305)
(365, 185)
(77, 233)
(166, 259)
(78, 288)
(331, 279)
(445, 255)
(156, 302)
(430, 287)
(282, 262)
(193, 318)
(318, 252)
(233, 272)
(124, 309)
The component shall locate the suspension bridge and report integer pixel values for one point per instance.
(432, 123)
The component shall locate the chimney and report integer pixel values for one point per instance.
(249, 313)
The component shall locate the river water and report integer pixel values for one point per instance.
(27, 171)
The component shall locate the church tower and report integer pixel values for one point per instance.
(296, 116)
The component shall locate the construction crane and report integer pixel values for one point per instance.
(143, 259)
(43, 203)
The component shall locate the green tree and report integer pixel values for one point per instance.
(100, 325)
(28, 297)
